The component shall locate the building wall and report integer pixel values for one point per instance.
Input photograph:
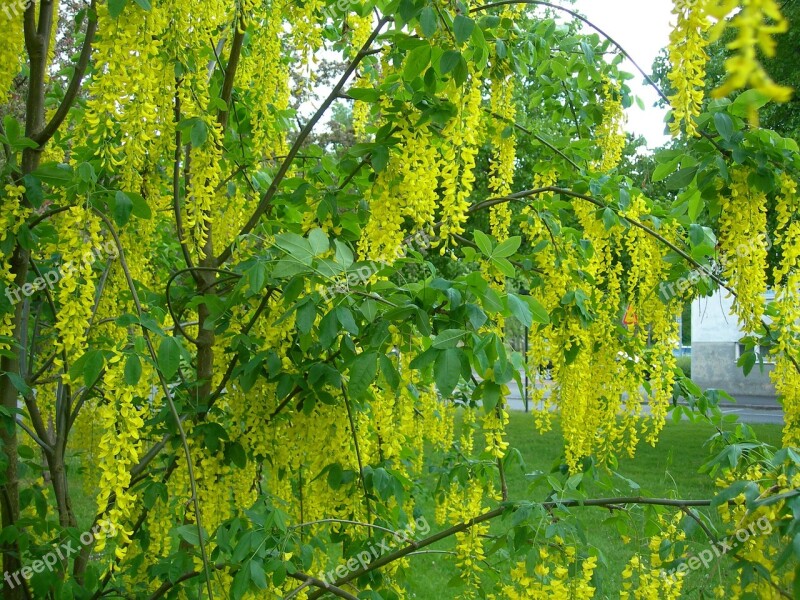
(715, 338)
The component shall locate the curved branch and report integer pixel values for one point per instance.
(535, 136)
(583, 19)
(74, 87)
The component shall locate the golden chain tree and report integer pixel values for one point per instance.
(249, 351)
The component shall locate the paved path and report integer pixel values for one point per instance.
(750, 409)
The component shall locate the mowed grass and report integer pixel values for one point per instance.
(670, 469)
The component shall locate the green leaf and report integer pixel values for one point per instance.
(235, 455)
(133, 369)
(447, 371)
(520, 309)
(295, 246)
(389, 372)
(538, 312)
(747, 361)
(306, 315)
(345, 318)
(169, 356)
(428, 21)
(746, 102)
(145, 4)
(665, 169)
(344, 256)
(19, 383)
(199, 133)
(462, 28)
(123, 206)
(256, 277)
(696, 205)
(93, 366)
(449, 60)
(33, 190)
(505, 267)
(416, 62)
(491, 396)
(460, 72)
(189, 534)
(140, 208)
(449, 338)
(681, 179)
(724, 125)
(362, 373)
(115, 7)
(508, 247)
(257, 574)
(380, 158)
(483, 242)
(54, 174)
(319, 241)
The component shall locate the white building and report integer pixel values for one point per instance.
(716, 350)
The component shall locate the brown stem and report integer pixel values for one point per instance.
(74, 87)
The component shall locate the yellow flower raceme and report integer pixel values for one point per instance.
(118, 451)
(459, 149)
(76, 290)
(687, 56)
(501, 167)
(610, 135)
(12, 216)
(10, 50)
(742, 237)
(756, 22)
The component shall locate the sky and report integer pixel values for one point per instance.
(641, 27)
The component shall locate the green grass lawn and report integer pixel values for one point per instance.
(670, 469)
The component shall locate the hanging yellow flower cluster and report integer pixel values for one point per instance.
(786, 321)
(645, 578)
(558, 575)
(461, 139)
(743, 243)
(756, 22)
(122, 128)
(118, 451)
(404, 190)
(360, 30)
(501, 167)
(264, 67)
(596, 385)
(464, 503)
(12, 216)
(610, 136)
(76, 290)
(687, 57)
(11, 49)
